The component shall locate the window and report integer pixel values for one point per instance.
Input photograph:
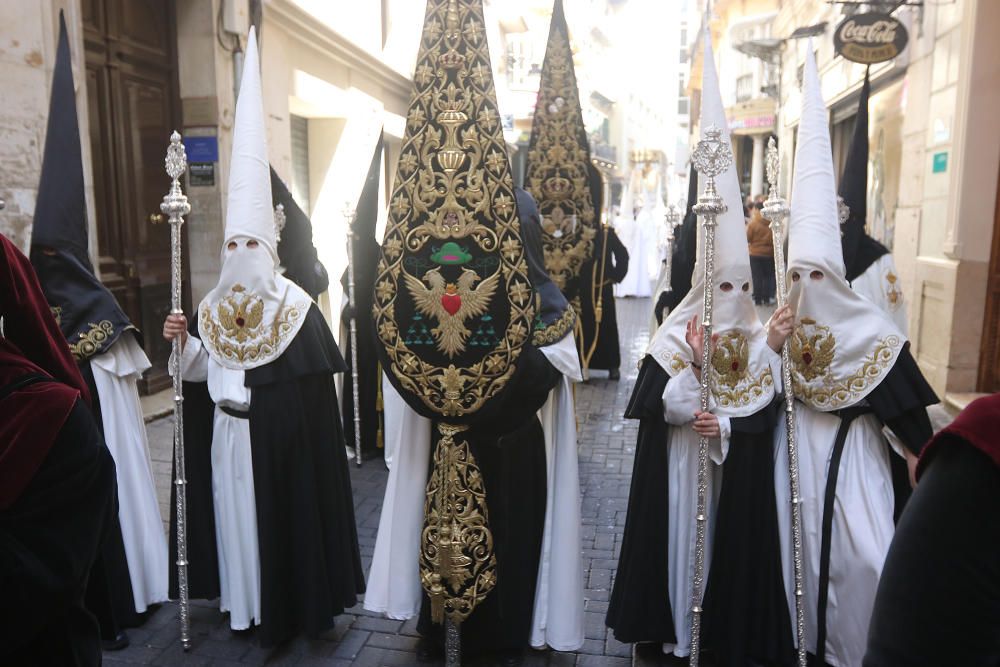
(300, 161)
(744, 88)
(683, 105)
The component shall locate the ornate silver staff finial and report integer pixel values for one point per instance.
(175, 205)
(280, 220)
(776, 211)
(349, 214)
(673, 219)
(712, 157)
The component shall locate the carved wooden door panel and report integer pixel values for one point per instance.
(132, 95)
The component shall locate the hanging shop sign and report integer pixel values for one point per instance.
(870, 38)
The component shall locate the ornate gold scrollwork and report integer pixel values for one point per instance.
(458, 567)
(92, 339)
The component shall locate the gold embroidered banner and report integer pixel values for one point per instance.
(453, 305)
(557, 173)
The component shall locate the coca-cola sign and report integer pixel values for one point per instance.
(870, 38)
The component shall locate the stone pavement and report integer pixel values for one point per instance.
(363, 639)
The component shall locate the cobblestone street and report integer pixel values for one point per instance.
(363, 639)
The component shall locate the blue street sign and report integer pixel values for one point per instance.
(202, 149)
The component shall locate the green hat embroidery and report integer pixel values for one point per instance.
(450, 253)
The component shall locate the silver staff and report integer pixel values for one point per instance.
(351, 214)
(711, 157)
(175, 205)
(776, 210)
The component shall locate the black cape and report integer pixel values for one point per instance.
(510, 450)
(49, 540)
(309, 559)
(639, 610)
(602, 339)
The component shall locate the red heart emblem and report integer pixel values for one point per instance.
(451, 303)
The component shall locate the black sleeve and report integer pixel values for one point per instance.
(901, 401)
(617, 259)
(647, 396)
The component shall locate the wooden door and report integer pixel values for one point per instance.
(989, 356)
(133, 102)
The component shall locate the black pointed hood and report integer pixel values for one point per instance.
(88, 314)
(685, 250)
(860, 250)
(554, 317)
(296, 251)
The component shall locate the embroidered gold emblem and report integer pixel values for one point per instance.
(733, 385)
(893, 295)
(812, 348)
(92, 339)
(238, 331)
(557, 167)
(451, 304)
(458, 566)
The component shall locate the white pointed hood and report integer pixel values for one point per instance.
(742, 381)
(843, 345)
(253, 313)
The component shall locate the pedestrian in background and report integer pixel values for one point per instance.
(761, 256)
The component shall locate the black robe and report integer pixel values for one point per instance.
(309, 559)
(607, 352)
(746, 569)
(746, 562)
(49, 540)
(639, 610)
(509, 447)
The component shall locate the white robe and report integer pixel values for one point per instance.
(232, 486)
(115, 374)
(880, 285)
(681, 399)
(636, 235)
(862, 526)
(393, 586)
